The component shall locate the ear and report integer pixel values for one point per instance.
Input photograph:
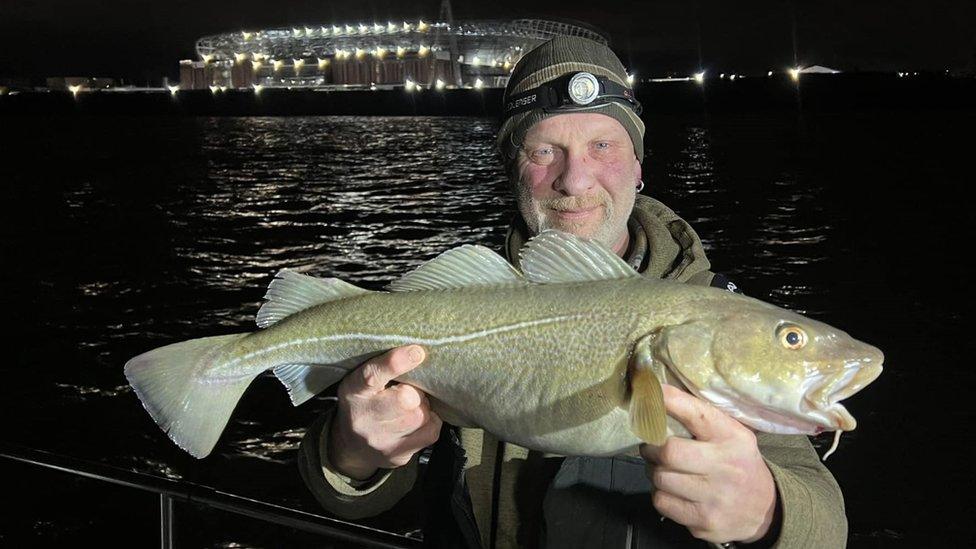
(637, 172)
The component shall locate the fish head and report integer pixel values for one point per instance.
(774, 370)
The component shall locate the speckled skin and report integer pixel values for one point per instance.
(543, 366)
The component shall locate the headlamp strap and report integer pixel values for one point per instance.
(554, 95)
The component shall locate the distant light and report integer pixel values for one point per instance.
(360, 53)
(363, 29)
(246, 35)
(257, 64)
(173, 89)
(223, 88)
(213, 89)
(377, 28)
(770, 73)
(460, 59)
(795, 74)
(278, 63)
(476, 61)
(296, 32)
(630, 78)
(700, 77)
(325, 30)
(309, 31)
(257, 88)
(507, 65)
(337, 30)
(390, 27)
(349, 30)
(421, 26)
(722, 76)
(731, 77)
(401, 51)
(298, 64)
(380, 52)
(207, 58)
(409, 85)
(478, 84)
(422, 52)
(240, 57)
(407, 26)
(75, 89)
(439, 84)
(323, 63)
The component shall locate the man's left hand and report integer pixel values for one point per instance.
(716, 485)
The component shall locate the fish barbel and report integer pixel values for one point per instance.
(566, 357)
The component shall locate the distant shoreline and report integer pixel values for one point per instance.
(813, 93)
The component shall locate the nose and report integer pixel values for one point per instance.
(577, 177)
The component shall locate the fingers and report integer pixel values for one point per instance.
(675, 508)
(703, 420)
(679, 454)
(395, 403)
(374, 375)
(688, 486)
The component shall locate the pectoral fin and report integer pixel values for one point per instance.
(648, 419)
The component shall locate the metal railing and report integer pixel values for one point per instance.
(172, 491)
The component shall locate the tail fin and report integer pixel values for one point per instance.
(191, 410)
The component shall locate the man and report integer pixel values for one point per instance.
(572, 143)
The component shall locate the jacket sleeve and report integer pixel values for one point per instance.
(340, 495)
(810, 500)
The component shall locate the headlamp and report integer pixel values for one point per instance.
(576, 91)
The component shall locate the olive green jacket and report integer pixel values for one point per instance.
(661, 245)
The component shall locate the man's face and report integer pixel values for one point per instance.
(578, 173)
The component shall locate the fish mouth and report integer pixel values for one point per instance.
(822, 401)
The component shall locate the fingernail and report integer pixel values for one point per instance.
(416, 355)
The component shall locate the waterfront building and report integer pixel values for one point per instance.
(414, 55)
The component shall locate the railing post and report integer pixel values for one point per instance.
(165, 521)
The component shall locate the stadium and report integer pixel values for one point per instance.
(404, 54)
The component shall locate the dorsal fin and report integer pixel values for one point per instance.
(462, 267)
(554, 256)
(291, 292)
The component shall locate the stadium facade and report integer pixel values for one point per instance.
(401, 54)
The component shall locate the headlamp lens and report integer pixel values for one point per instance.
(583, 88)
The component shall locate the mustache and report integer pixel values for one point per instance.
(575, 202)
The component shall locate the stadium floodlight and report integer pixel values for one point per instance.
(700, 77)
(75, 89)
(173, 90)
(795, 74)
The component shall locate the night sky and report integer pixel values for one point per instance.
(143, 40)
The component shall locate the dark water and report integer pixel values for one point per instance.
(123, 234)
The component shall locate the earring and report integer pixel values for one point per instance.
(640, 185)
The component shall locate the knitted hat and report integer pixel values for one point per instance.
(549, 61)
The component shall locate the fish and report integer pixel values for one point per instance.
(565, 356)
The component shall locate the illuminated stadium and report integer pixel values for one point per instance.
(400, 54)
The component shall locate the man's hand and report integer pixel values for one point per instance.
(379, 426)
(716, 485)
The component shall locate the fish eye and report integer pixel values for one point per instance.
(792, 337)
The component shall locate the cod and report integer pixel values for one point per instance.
(567, 356)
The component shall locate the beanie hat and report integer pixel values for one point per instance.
(550, 60)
